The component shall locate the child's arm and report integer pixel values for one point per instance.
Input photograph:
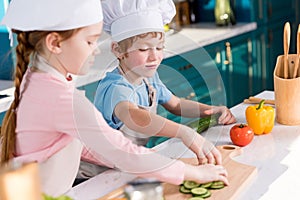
(188, 108)
(143, 121)
(78, 118)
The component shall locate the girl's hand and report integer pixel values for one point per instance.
(226, 117)
(205, 151)
(206, 173)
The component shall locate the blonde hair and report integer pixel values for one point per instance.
(28, 43)
(125, 44)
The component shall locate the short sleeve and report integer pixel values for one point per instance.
(163, 93)
(111, 91)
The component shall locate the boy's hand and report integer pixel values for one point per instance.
(226, 117)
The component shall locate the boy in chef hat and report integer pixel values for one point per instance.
(50, 120)
(128, 96)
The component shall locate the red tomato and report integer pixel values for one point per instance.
(241, 134)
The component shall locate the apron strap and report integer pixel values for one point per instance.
(151, 92)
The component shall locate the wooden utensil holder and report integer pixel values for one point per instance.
(287, 92)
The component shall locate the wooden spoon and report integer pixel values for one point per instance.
(255, 100)
(286, 45)
(298, 53)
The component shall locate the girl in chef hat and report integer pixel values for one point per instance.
(128, 96)
(50, 121)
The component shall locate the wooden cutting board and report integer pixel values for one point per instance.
(239, 176)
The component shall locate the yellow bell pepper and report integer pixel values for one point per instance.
(260, 118)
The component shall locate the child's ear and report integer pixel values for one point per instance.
(115, 48)
(53, 42)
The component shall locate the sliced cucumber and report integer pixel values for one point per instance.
(206, 185)
(196, 198)
(198, 191)
(190, 184)
(217, 185)
(206, 195)
(184, 190)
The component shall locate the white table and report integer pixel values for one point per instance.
(276, 156)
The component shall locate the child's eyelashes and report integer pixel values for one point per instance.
(143, 49)
(147, 49)
(91, 43)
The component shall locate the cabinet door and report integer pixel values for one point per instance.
(90, 90)
(1, 117)
(239, 66)
(240, 72)
(6, 58)
(278, 10)
(192, 75)
(208, 84)
(262, 70)
(177, 74)
(259, 11)
(217, 54)
(269, 11)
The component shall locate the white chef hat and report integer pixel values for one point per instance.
(48, 15)
(127, 18)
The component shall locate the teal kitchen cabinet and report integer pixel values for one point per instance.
(1, 117)
(274, 46)
(90, 90)
(223, 73)
(239, 66)
(6, 56)
(269, 11)
(262, 70)
(271, 15)
(192, 75)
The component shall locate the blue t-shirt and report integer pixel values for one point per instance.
(114, 88)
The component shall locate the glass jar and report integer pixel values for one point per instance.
(144, 191)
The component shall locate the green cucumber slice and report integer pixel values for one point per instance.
(206, 185)
(206, 195)
(217, 185)
(184, 190)
(198, 191)
(190, 184)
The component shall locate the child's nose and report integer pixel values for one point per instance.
(153, 53)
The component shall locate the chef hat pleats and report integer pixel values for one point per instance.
(127, 18)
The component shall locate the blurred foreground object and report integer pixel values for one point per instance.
(20, 182)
